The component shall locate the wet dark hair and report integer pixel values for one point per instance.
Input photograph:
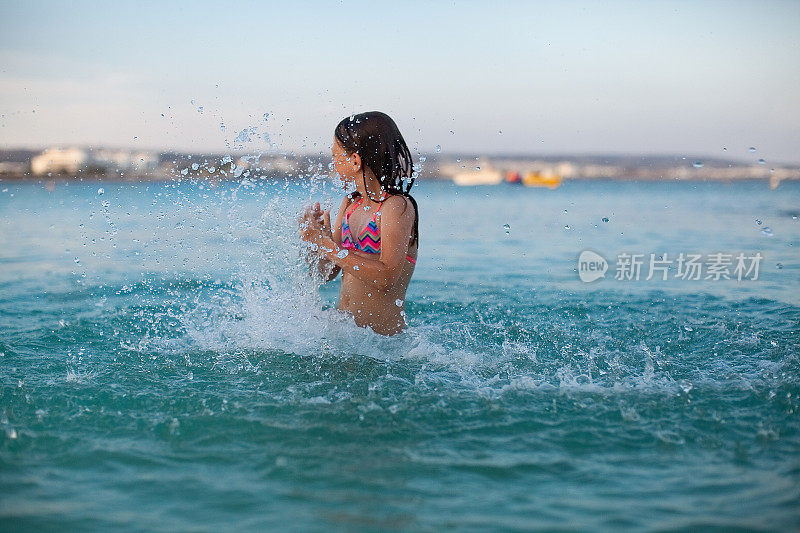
(376, 139)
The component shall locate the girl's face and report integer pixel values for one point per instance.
(344, 164)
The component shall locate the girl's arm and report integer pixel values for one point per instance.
(337, 238)
(327, 268)
(397, 221)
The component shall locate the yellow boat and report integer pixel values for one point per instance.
(535, 179)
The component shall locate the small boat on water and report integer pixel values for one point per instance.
(490, 175)
(478, 177)
(536, 179)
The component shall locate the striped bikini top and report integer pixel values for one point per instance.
(370, 238)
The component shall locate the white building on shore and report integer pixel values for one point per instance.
(59, 160)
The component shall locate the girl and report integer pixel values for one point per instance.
(375, 237)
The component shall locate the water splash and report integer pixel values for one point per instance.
(244, 136)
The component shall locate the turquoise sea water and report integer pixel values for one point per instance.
(167, 364)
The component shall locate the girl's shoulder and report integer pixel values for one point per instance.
(398, 205)
(398, 201)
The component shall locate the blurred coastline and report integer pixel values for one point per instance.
(108, 164)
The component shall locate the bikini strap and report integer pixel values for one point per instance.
(352, 206)
(381, 203)
(360, 199)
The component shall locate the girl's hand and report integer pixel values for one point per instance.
(325, 223)
(310, 230)
(315, 224)
(312, 212)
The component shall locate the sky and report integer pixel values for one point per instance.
(684, 78)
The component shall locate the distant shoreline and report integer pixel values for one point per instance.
(102, 164)
(170, 179)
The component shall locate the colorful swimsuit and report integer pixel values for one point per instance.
(370, 239)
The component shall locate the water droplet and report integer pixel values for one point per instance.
(184, 171)
(452, 132)
(507, 227)
(266, 116)
(422, 159)
(767, 231)
(697, 164)
(355, 267)
(77, 261)
(195, 166)
(101, 191)
(687, 328)
(398, 302)
(779, 266)
(762, 162)
(566, 226)
(499, 132)
(438, 148)
(758, 222)
(752, 149)
(222, 126)
(342, 253)
(243, 136)
(605, 219)
(724, 149)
